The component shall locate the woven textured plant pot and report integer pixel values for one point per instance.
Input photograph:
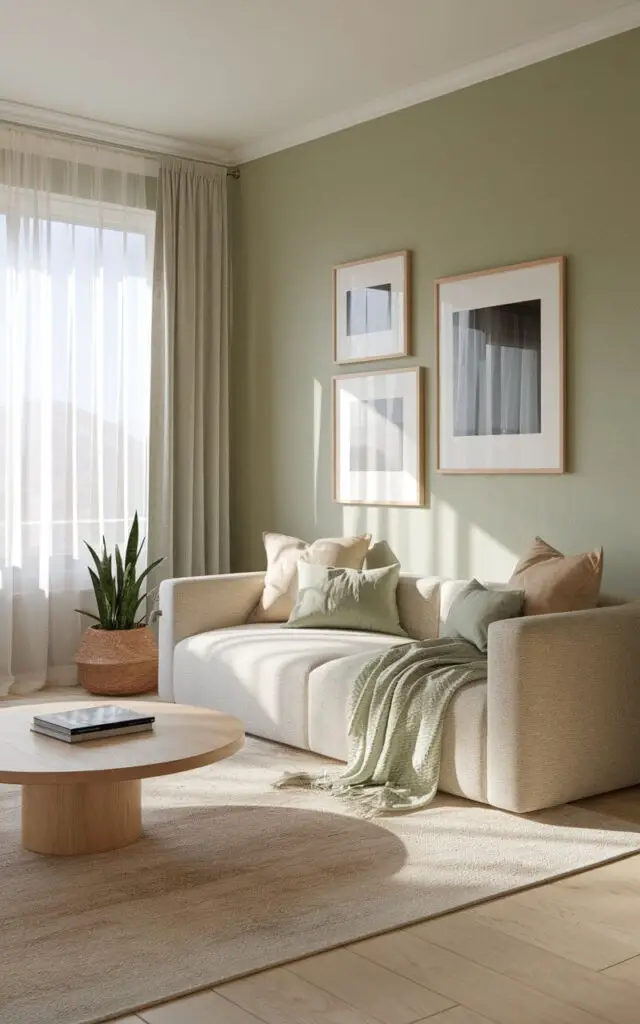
(115, 662)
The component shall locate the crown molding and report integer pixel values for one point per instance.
(87, 128)
(622, 20)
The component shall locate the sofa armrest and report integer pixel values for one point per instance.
(563, 706)
(199, 603)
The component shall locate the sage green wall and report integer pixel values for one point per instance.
(542, 162)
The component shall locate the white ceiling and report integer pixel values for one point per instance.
(239, 78)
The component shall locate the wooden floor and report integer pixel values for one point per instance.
(564, 953)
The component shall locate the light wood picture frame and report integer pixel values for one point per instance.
(379, 438)
(371, 308)
(500, 355)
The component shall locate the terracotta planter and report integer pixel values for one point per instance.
(115, 662)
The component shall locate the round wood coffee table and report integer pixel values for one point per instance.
(85, 797)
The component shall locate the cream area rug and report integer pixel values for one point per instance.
(233, 876)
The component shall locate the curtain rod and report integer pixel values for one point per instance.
(117, 147)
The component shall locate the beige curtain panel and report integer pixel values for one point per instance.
(189, 437)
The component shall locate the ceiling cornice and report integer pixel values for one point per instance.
(117, 135)
(622, 20)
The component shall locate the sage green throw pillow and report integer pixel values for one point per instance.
(331, 598)
(476, 607)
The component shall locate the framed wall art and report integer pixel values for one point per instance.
(371, 309)
(501, 385)
(378, 438)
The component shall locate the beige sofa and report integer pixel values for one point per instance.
(559, 718)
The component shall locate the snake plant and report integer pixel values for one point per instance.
(118, 594)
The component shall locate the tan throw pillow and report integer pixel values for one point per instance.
(281, 580)
(553, 582)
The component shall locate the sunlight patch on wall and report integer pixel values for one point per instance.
(408, 533)
(357, 519)
(317, 427)
(434, 541)
(488, 558)
(447, 547)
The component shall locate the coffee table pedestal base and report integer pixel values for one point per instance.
(72, 819)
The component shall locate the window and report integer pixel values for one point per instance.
(75, 311)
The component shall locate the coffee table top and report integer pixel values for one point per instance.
(183, 737)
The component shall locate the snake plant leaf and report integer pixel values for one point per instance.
(100, 601)
(119, 569)
(94, 555)
(149, 569)
(89, 615)
(129, 597)
(131, 553)
(108, 588)
(119, 582)
(143, 597)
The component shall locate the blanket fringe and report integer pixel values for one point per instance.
(364, 801)
(295, 780)
(303, 780)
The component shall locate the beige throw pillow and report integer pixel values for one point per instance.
(553, 582)
(281, 580)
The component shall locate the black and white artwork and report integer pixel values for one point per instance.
(379, 438)
(501, 388)
(371, 309)
(496, 383)
(376, 435)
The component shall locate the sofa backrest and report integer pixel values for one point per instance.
(449, 590)
(419, 605)
(424, 603)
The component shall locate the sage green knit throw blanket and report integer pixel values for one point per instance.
(396, 711)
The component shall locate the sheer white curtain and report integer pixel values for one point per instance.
(496, 373)
(76, 244)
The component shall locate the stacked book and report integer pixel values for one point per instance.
(91, 723)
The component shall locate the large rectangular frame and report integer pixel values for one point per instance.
(560, 463)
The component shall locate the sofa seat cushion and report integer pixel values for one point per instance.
(464, 740)
(260, 673)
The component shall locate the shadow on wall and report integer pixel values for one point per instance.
(437, 541)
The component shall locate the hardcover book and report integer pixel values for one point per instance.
(100, 719)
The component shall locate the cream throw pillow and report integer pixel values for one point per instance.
(553, 582)
(281, 579)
